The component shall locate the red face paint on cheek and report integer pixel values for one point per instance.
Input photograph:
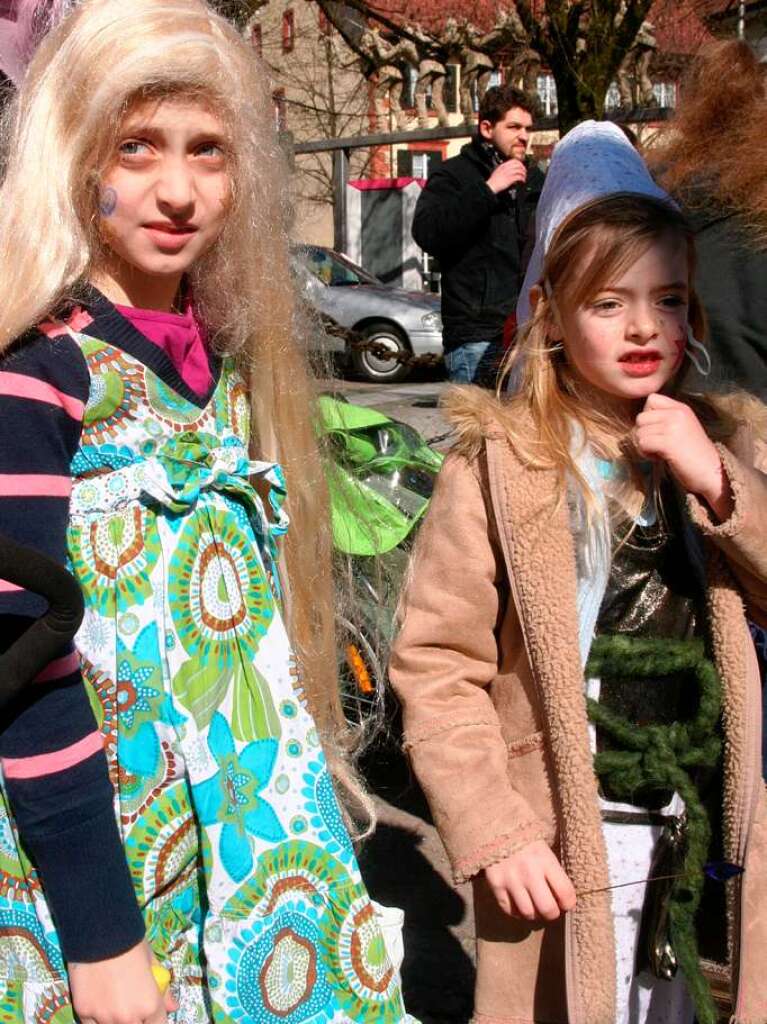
(681, 345)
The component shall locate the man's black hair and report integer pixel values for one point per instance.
(499, 100)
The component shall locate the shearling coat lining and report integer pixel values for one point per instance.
(488, 671)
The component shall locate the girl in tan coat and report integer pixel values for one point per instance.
(580, 690)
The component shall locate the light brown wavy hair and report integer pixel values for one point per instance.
(59, 135)
(592, 247)
(716, 140)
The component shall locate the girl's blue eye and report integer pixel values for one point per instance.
(673, 301)
(210, 149)
(132, 147)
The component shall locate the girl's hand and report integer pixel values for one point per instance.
(531, 884)
(119, 991)
(670, 430)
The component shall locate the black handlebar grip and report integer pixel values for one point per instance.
(49, 635)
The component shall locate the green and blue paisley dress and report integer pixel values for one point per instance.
(240, 859)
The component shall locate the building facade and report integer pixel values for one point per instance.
(324, 89)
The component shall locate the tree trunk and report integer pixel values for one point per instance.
(577, 100)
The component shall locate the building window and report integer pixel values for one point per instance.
(280, 110)
(546, 88)
(496, 78)
(665, 94)
(417, 163)
(420, 166)
(288, 31)
(257, 40)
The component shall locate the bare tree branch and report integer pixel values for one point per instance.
(583, 43)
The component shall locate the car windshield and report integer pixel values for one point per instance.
(333, 269)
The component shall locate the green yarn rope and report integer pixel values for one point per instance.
(662, 757)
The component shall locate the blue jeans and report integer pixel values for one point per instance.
(474, 362)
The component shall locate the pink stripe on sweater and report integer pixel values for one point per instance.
(77, 321)
(58, 761)
(8, 588)
(60, 668)
(34, 485)
(19, 385)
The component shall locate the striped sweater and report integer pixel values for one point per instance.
(53, 762)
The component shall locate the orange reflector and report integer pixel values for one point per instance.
(359, 669)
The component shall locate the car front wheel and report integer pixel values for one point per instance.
(377, 367)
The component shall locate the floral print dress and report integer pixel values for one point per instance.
(239, 856)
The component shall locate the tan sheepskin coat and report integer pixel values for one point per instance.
(487, 668)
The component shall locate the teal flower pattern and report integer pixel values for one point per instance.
(133, 696)
(247, 881)
(324, 812)
(231, 797)
(274, 976)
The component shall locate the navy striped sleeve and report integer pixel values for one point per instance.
(53, 762)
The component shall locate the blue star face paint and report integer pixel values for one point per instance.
(107, 201)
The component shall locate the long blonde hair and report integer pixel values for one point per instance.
(59, 135)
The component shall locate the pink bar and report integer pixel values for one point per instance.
(34, 485)
(19, 385)
(376, 184)
(78, 320)
(58, 761)
(8, 588)
(59, 668)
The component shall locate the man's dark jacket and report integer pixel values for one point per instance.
(479, 239)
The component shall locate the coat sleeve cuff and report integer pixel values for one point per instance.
(700, 513)
(89, 890)
(465, 868)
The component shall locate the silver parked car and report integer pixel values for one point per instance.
(400, 320)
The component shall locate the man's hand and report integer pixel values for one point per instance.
(670, 430)
(511, 172)
(531, 884)
(119, 991)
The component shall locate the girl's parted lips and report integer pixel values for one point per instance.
(171, 228)
(641, 355)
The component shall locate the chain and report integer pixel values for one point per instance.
(380, 351)
(357, 342)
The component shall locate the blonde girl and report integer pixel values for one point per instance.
(165, 794)
(580, 691)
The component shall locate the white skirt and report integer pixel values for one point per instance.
(639, 998)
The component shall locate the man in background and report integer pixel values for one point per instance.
(474, 216)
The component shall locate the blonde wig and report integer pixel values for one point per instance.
(593, 246)
(61, 133)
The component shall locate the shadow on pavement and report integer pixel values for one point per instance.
(404, 865)
(437, 975)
